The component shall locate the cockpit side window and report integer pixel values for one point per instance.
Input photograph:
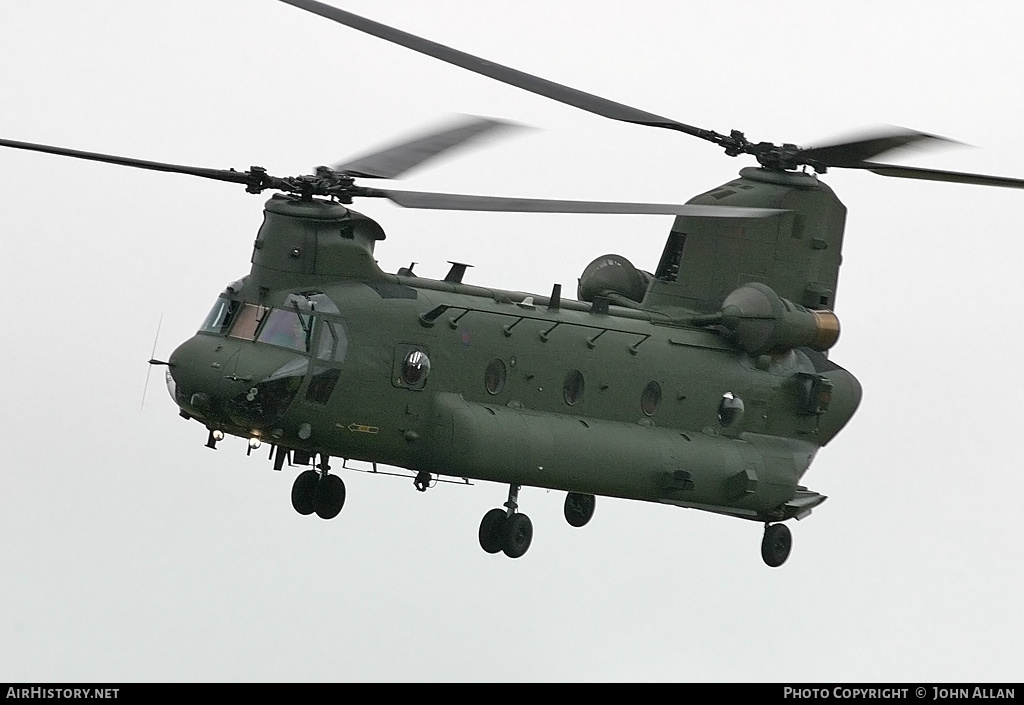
(333, 342)
(247, 320)
(341, 337)
(221, 316)
(326, 344)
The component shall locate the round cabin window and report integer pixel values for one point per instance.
(494, 377)
(572, 388)
(650, 398)
(415, 368)
(730, 410)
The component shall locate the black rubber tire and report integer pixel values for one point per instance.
(776, 544)
(492, 531)
(329, 497)
(579, 508)
(518, 535)
(303, 490)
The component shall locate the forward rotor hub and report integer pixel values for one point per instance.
(324, 182)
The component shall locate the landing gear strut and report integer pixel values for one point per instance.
(776, 544)
(505, 529)
(318, 491)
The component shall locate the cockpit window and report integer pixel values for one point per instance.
(287, 329)
(220, 317)
(247, 320)
(333, 342)
(326, 344)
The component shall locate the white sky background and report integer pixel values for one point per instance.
(128, 551)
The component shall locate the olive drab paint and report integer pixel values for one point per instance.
(456, 380)
(705, 383)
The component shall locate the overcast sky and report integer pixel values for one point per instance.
(128, 551)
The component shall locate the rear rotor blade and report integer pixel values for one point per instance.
(513, 77)
(787, 157)
(853, 151)
(464, 202)
(394, 161)
(957, 177)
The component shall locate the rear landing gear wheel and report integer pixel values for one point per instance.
(505, 529)
(776, 544)
(303, 490)
(492, 530)
(329, 497)
(518, 535)
(579, 508)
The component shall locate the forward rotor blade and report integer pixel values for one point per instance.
(851, 152)
(958, 177)
(231, 175)
(463, 202)
(394, 161)
(513, 77)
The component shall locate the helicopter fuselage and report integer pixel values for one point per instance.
(457, 380)
(705, 383)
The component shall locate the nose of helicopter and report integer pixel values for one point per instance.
(230, 383)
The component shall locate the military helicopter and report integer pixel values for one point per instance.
(703, 384)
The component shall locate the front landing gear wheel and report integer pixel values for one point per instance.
(303, 490)
(776, 544)
(518, 535)
(579, 508)
(492, 530)
(329, 497)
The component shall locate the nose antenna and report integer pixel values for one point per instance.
(152, 361)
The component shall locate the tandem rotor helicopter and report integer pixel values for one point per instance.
(705, 383)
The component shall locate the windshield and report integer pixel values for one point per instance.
(287, 329)
(247, 320)
(220, 316)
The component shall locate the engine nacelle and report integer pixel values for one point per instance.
(764, 322)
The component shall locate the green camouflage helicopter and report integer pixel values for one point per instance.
(703, 384)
